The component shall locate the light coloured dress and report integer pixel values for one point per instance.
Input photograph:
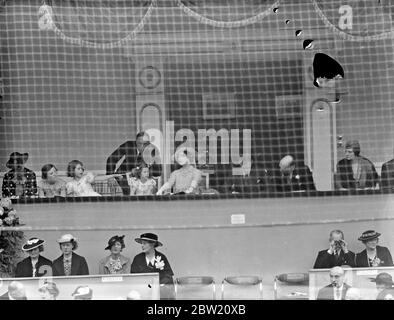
(50, 190)
(182, 178)
(83, 187)
(137, 187)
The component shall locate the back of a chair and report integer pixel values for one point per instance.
(242, 287)
(195, 287)
(291, 286)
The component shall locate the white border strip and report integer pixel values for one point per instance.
(226, 24)
(46, 9)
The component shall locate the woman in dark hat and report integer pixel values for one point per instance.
(115, 263)
(355, 171)
(151, 260)
(69, 263)
(373, 255)
(19, 181)
(384, 284)
(35, 265)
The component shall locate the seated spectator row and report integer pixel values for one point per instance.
(338, 253)
(138, 175)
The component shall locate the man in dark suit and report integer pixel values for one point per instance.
(337, 289)
(135, 153)
(387, 176)
(337, 254)
(292, 177)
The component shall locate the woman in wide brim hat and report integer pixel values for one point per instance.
(115, 263)
(35, 265)
(69, 263)
(151, 260)
(384, 284)
(19, 181)
(373, 255)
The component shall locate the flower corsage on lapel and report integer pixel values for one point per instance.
(159, 264)
(376, 262)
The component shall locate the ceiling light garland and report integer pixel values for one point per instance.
(226, 24)
(347, 36)
(46, 22)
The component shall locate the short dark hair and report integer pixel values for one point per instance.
(140, 134)
(71, 167)
(354, 145)
(40, 248)
(45, 169)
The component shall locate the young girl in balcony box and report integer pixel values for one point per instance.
(81, 185)
(143, 183)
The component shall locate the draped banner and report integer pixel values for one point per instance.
(228, 13)
(357, 19)
(95, 23)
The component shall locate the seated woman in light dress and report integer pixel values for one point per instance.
(51, 185)
(143, 183)
(81, 185)
(185, 179)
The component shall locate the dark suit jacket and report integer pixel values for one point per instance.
(132, 158)
(5, 296)
(345, 177)
(302, 179)
(384, 293)
(25, 269)
(382, 253)
(139, 266)
(327, 293)
(325, 260)
(387, 177)
(79, 267)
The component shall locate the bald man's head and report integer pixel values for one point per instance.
(286, 164)
(16, 290)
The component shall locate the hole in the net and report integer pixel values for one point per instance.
(298, 33)
(308, 44)
(326, 70)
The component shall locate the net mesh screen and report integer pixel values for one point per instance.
(231, 81)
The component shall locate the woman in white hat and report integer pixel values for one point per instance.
(69, 263)
(115, 263)
(185, 179)
(151, 260)
(35, 265)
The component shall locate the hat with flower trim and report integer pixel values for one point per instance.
(32, 243)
